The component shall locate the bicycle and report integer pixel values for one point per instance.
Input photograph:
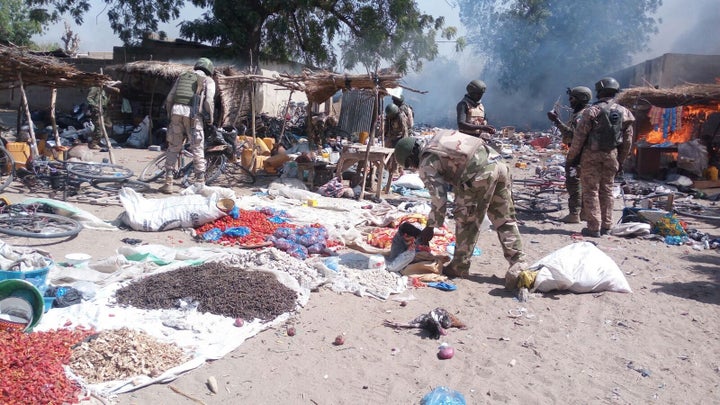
(68, 177)
(542, 194)
(184, 168)
(27, 220)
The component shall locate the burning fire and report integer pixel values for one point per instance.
(692, 118)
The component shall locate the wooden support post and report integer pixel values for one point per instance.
(371, 141)
(104, 132)
(53, 121)
(33, 141)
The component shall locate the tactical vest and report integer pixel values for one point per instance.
(606, 134)
(457, 150)
(187, 88)
(476, 115)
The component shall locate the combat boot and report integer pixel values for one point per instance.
(452, 272)
(571, 219)
(167, 188)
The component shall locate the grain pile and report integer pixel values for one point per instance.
(215, 288)
(123, 353)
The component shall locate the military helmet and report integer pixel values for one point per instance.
(398, 99)
(607, 85)
(581, 93)
(392, 110)
(205, 65)
(476, 87)
(404, 148)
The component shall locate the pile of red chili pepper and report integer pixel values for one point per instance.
(31, 366)
(257, 221)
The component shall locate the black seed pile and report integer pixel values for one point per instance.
(217, 288)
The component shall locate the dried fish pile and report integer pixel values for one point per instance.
(217, 289)
(123, 353)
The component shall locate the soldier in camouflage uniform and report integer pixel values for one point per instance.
(406, 109)
(189, 103)
(97, 99)
(579, 97)
(481, 182)
(396, 126)
(471, 118)
(601, 143)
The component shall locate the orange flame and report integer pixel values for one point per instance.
(691, 117)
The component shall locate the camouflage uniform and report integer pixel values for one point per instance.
(599, 166)
(396, 128)
(96, 97)
(409, 114)
(572, 173)
(186, 122)
(481, 182)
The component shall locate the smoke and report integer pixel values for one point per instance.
(683, 27)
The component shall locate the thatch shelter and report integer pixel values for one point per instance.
(688, 94)
(40, 70)
(21, 68)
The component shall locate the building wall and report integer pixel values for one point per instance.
(671, 69)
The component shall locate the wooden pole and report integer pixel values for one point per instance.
(287, 106)
(53, 99)
(371, 141)
(252, 125)
(102, 122)
(33, 141)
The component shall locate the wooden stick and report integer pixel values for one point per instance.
(371, 140)
(53, 98)
(188, 396)
(33, 145)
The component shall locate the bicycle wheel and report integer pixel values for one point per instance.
(238, 174)
(7, 168)
(154, 170)
(214, 167)
(538, 203)
(116, 185)
(38, 225)
(96, 171)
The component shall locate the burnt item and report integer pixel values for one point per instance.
(217, 288)
(436, 322)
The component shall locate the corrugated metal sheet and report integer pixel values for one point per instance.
(356, 112)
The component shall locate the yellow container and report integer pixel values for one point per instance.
(246, 158)
(712, 173)
(364, 137)
(20, 151)
(311, 202)
(269, 142)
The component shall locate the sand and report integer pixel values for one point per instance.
(658, 344)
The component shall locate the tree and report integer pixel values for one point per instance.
(18, 22)
(538, 47)
(368, 32)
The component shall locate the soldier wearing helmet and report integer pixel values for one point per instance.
(471, 118)
(396, 128)
(190, 103)
(481, 183)
(601, 142)
(406, 109)
(579, 97)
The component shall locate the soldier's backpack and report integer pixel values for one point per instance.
(607, 133)
(187, 88)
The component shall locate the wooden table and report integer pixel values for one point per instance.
(379, 160)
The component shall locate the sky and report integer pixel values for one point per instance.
(684, 29)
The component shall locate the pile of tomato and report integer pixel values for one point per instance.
(258, 221)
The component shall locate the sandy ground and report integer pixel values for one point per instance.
(658, 344)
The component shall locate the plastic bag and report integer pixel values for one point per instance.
(238, 231)
(443, 396)
(212, 235)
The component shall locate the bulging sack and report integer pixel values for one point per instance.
(153, 215)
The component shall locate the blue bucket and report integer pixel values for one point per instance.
(21, 303)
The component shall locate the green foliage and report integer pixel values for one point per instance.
(535, 43)
(19, 22)
(372, 33)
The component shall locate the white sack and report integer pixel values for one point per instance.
(579, 267)
(186, 211)
(411, 181)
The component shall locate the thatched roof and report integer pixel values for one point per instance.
(687, 94)
(41, 70)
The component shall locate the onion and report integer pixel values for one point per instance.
(446, 352)
(239, 322)
(339, 340)
(403, 303)
(291, 331)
